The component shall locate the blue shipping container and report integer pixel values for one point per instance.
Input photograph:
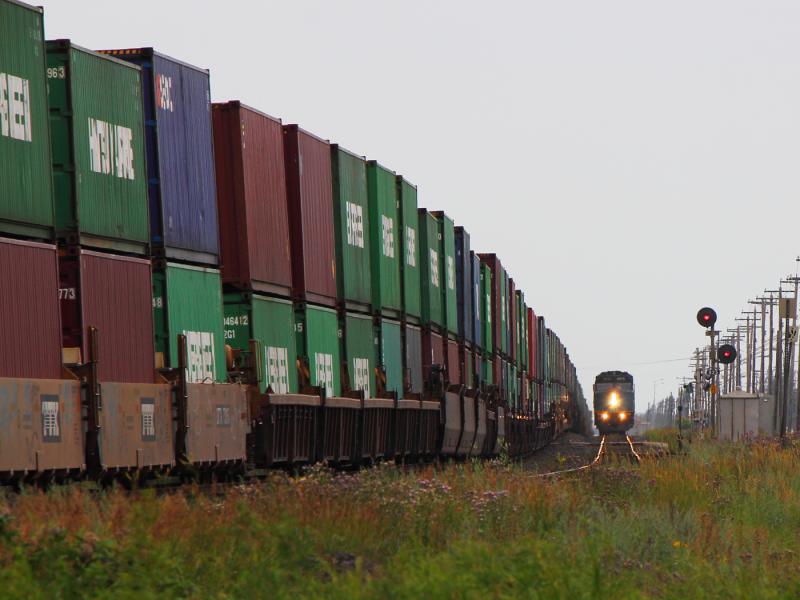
(475, 264)
(464, 293)
(182, 187)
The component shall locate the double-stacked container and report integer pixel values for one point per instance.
(101, 217)
(187, 299)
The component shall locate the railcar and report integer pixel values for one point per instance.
(614, 402)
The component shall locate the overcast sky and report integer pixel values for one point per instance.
(630, 161)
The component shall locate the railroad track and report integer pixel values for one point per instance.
(609, 446)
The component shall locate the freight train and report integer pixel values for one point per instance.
(614, 402)
(199, 289)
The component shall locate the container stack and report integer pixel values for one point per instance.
(183, 229)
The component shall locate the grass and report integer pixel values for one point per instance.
(719, 522)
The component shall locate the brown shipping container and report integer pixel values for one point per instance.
(30, 323)
(127, 439)
(310, 193)
(453, 362)
(41, 428)
(114, 294)
(432, 353)
(255, 249)
(217, 423)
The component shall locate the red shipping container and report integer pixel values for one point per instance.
(497, 281)
(432, 352)
(532, 333)
(251, 188)
(309, 184)
(454, 374)
(114, 294)
(30, 323)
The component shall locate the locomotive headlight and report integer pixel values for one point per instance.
(604, 416)
(622, 416)
(613, 400)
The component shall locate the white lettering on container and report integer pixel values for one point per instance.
(434, 268)
(15, 108)
(411, 247)
(451, 273)
(278, 369)
(388, 236)
(110, 149)
(355, 225)
(361, 375)
(323, 367)
(164, 93)
(201, 367)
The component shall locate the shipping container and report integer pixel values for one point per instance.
(352, 229)
(112, 294)
(453, 363)
(475, 293)
(253, 209)
(182, 188)
(97, 130)
(468, 367)
(432, 354)
(271, 323)
(26, 194)
(522, 331)
(532, 345)
(486, 369)
(216, 424)
(499, 303)
(411, 268)
(513, 329)
(447, 267)
(412, 354)
(187, 300)
(135, 426)
(384, 215)
(42, 428)
(391, 355)
(30, 319)
(431, 282)
(310, 196)
(487, 328)
(464, 289)
(359, 352)
(318, 341)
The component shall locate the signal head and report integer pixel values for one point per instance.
(706, 317)
(726, 354)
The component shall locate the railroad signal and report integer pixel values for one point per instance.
(706, 317)
(726, 354)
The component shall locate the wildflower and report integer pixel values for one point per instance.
(676, 544)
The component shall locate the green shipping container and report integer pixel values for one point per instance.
(430, 280)
(486, 309)
(360, 352)
(447, 267)
(391, 355)
(352, 227)
(384, 218)
(97, 130)
(26, 187)
(188, 300)
(271, 322)
(318, 338)
(410, 264)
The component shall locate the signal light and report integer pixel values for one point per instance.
(726, 354)
(706, 317)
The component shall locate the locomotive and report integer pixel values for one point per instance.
(614, 402)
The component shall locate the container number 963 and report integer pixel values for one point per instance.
(56, 73)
